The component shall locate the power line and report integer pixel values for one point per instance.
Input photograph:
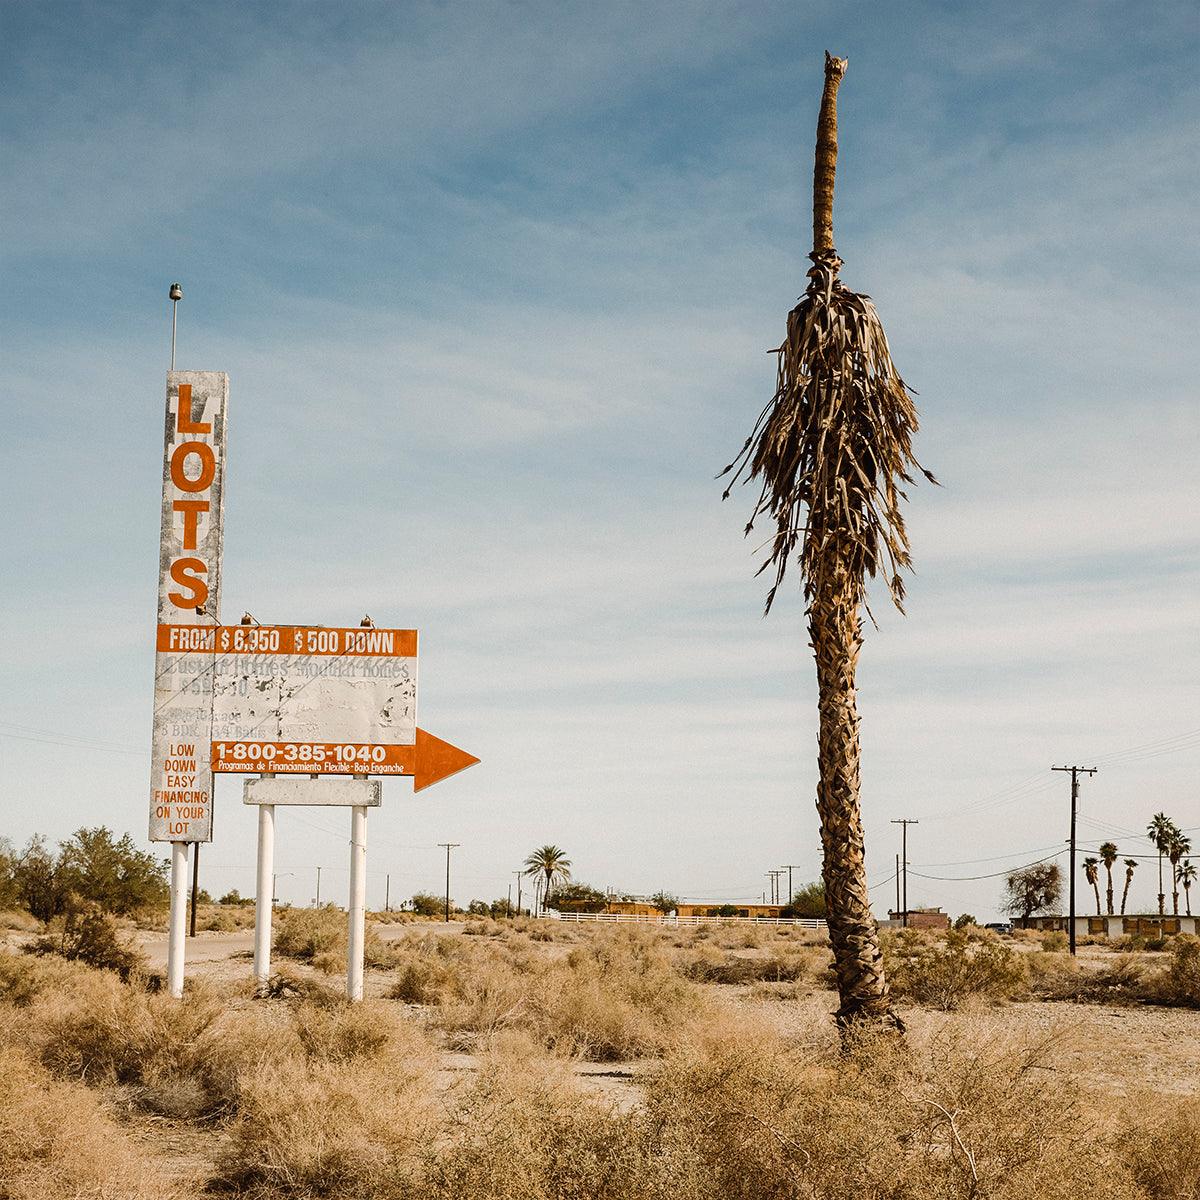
(992, 875)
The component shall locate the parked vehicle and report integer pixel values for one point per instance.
(1004, 927)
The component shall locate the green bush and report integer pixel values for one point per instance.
(90, 936)
(426, 905)
(943, 973)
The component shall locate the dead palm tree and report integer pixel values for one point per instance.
(1130, 867)
(1178, 844)
(1108, 856)
(1185, 873)
(550, 863)
(1091, 870)
(832, 448)
(1159, 831)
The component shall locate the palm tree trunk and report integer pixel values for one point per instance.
(1187, 895)
(1096, 889)
(1175, 897)
(1109, 894)
(1125, 892)
(836, 633)
(825, 165)
(1162, 907)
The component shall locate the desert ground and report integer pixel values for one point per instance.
(538, 1058)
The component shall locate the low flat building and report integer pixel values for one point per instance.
(1135, 925)
(919, 918)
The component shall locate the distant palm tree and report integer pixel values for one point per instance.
(1185, 873)
(1178, 844)
(1091, 869)
(1130, 867)
(1159, 831)
(1108, 856)
(551, 863)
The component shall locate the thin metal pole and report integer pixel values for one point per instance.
(317, 902)
(178, 926)
(904, 823)
(195, 885)
(176, 294)
(897, 885)
(264, 892)
(519, 876)
(387, 892)
(358, 902)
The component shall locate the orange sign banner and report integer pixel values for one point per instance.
(429, 760)
(318, 641)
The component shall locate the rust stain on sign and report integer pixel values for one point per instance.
(189, 591)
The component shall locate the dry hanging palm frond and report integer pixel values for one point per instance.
(835, 442)
(832, 449)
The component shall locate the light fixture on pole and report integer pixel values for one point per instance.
(176, 294)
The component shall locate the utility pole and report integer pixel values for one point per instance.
(195, 883)
(387, 892)
(448, 846)
(904, 823)
(1075, 774)
(508, 909)
(897, 883)
(788, 867)
(520, 875)
(317, 902)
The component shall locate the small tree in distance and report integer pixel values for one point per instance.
(809, 901)
(665, 902)
(1033, 889)
(425, 905)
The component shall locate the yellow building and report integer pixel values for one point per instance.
(712, 909)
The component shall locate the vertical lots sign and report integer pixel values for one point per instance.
(189, 591)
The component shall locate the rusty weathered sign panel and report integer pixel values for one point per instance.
(304, 700)
(189, 590)
(342, 792)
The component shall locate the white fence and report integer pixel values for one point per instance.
(638, 919)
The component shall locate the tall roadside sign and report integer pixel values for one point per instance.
(189, 597)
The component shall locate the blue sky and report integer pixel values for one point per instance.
(493, 284)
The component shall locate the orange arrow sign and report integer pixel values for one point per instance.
(432, 760)
(429, 761)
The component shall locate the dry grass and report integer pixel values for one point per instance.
(320, 936)
(309, 1097)
(942, 972)
(56, 1141)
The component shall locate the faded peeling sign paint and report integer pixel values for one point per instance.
(303, 699)
(189, 591)
(342, 792)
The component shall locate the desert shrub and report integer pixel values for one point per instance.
(746, 1115)
(89, 935)
(23, 980)
(522, 1129)
(23, 922)
(963, 920)
(1055, 941)
(1179, 983)
(320, 936)
(708, 965)
(426, 905)
(321, 1123)
(943, 973)
(1060, 977)
(56, 1141)
(1161, 1144)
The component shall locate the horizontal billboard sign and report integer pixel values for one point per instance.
(302, 699)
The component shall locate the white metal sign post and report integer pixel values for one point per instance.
(358, 794)
(189, 590)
